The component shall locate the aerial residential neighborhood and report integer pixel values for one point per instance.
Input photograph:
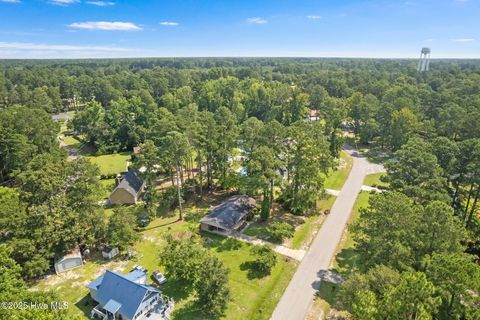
(237, 160)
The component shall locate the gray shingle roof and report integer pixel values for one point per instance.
(132, 182)
(230, 212)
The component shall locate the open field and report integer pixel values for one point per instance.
(111, 163)
(253, 298)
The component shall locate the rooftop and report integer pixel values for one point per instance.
(132, 182)
(120, 291)
(230, 212)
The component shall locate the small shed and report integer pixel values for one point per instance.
(137, 150)
(313, 115)
(68, 262)
(229, 215)
(61, 117)
(129, 189)
(110, 252)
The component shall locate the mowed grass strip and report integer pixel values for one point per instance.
(373, 180)
(338, 177)
(304, 233)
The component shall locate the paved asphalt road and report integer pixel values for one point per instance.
(297, 298)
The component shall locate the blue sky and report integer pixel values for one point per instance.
(321, 28)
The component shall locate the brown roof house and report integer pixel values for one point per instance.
(229, 216)
(129, 189)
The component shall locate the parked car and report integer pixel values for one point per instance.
(140, 268)
(143, 222)
(159, 277)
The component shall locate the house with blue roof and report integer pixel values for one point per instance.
(128, 297)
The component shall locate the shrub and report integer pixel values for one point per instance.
(265, 210)
(265, 260)
(280, 230)
(187, 260)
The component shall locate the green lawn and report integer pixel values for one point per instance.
(252, 298)
(337, 178)
(111, 163)
(108, 185)
(373, 180)
(72, 142)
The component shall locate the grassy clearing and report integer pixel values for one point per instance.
(111, 163)
(253, 298)
(71, 141)
(337, 178)
(373, 180)
(258, 228)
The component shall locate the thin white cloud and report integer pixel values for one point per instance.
(463, 40)
(105, 25)
(59, 47)
(63, 2)
(256, 20)
(314, 17)
(169, 23)
(101, 3)
(10, 1)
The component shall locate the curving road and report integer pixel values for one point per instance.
(298, 296)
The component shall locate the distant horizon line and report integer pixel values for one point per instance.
(244, 57)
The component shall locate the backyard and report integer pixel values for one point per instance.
(110, 164)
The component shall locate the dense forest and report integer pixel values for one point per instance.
(191, 117)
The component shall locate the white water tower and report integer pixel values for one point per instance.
(424, 62)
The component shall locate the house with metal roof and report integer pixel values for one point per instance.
(128, 297)
(69, 261)
(129, 189)
(228, 216)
